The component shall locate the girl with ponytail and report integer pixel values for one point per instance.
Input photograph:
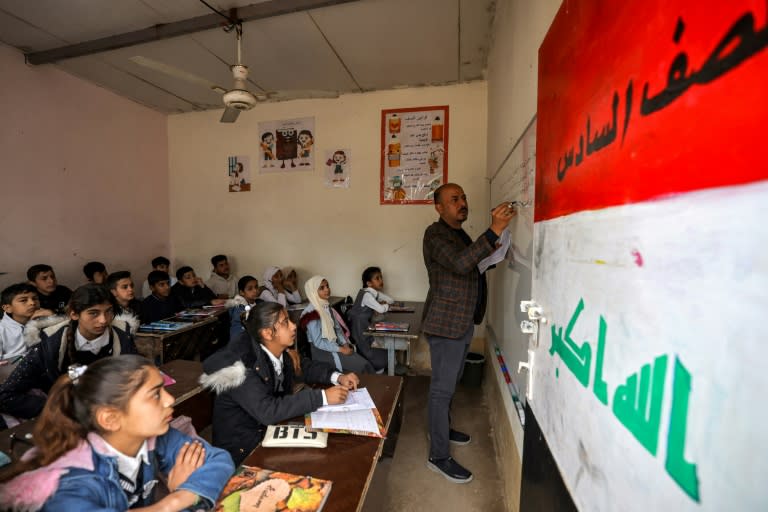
(103, 441)
(89, 333)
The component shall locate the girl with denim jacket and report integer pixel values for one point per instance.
(103, 442)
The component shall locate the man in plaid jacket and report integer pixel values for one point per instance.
(456, 300)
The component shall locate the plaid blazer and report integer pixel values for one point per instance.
(453, 280)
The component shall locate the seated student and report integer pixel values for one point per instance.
(273, 288)
(160, 303)
(326, 331)
(95, 272)
(52, 296)
(20, 305)
(162, 264)
(369, 299)
(223, 284)
(253, 380)
(86, 336)
(191, 291)
(291, 285)
(104, 441)
(247, 298)
(120, 285)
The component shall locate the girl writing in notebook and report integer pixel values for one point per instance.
(253, 376)
(327, 333)
(103, 441)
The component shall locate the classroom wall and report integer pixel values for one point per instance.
(518, 30)
(292, 218)
(83, 175)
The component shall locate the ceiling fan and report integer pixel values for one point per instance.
(238, 98)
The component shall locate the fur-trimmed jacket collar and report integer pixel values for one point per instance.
(126, 322)
(226, 369)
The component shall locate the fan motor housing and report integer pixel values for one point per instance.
(239, 99)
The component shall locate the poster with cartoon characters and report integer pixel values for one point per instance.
(287, 145)
(239, 173)
(414, 154)
(338, 167)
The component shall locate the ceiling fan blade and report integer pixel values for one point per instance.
(295, 94)
(169, 70)
(229, 115)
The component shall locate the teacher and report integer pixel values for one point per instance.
(456, 300)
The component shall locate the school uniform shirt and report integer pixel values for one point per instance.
(221, 286)
(372, 297)
(277, 365)
(94, 346)
(146, 291)
(128, 471)
(293, 297)
(11, 338)
(56, 301)
(269, 296)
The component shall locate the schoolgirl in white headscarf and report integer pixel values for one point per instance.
(273, 286)
(327, 333)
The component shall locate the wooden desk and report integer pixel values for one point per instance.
(191, 398)
(185, 343)
(348, 461)
(392, 341)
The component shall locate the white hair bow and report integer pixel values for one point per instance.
(75, 371)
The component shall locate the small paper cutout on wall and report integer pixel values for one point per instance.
(338, 168)
(239, 173)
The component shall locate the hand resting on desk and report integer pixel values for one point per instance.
(336, 395)
(349, 380)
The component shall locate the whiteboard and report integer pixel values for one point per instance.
(510, 282)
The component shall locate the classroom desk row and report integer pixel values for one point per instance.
(196, 339)
(393, 341)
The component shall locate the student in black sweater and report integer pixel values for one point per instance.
(160, 304)
(191, 290)
(52, 295)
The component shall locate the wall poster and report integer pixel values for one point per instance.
(287, 145)
(338, 167)
(414, 154)
(239, 173)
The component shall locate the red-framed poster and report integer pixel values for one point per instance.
(414, 154)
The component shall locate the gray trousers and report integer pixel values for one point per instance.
(447, 356)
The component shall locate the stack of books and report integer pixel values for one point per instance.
(162, 326)
(390, 327)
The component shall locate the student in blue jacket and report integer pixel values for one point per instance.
(103, 441)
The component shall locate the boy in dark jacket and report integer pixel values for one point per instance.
(253, 380)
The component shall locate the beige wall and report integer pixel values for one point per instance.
(83, 175)
(293, 219)
(519, 28)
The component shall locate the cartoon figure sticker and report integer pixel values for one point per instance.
(338, 168)
(287, 145)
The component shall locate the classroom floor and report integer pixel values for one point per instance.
(403, 483)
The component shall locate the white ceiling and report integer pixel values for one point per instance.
(357, 46)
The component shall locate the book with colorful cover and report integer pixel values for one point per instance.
(390, 326)
(265, 490)
(381, 430)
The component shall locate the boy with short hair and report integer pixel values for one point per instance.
(221, 282)
(120, 285)
(162, 264)
(95, 272)
(191, 292)
(369, 299)
(20, 305)
(51, 295)
(160, 303)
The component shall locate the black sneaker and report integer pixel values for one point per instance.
(450, 469)
(457, 437)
